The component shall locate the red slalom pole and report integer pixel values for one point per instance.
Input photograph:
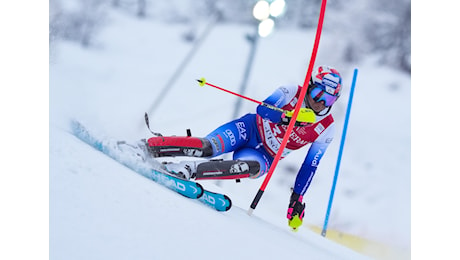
(296, 110)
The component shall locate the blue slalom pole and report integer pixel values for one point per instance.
(339, 159)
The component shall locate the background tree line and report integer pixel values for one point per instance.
(381, 27)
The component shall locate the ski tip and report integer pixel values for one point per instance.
(75, 125)
(229, 203)
(201, 82)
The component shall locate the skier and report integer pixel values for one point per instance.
(255, 139)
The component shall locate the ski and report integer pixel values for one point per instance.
(218, 201)
(152, 169)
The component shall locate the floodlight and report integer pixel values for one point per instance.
(277, 8)
(266, 27)
(261, 10)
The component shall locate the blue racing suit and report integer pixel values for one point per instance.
(259, 136)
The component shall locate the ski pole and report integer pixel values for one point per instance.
(203, 82)
(307, 114)
(296, 110)
(342, 142)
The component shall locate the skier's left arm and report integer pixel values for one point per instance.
(312, 160)
(279, 98)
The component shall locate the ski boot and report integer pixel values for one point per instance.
(185, 170)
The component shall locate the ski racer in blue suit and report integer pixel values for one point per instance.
(258, 136)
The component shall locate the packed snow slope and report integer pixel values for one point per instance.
(102, 210)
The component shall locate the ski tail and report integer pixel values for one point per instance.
(227, 169)
(160, 146)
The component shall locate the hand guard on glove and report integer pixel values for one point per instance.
(306, 116)
(295, 211)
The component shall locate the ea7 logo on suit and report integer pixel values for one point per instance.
(241, 130)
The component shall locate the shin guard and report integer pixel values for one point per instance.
(232, 169)
(179, 146)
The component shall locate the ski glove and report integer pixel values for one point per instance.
(305, 117)
(295, 211)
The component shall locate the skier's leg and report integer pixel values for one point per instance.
(179, 146)
(232, 135)
(213, 169)
(224, 139)
(236, 135)
(262, 158)
(247, 163)
(240, 136)
(249, 158)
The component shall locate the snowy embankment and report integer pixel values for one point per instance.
(102, 210)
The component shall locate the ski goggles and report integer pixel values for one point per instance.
(318, 93)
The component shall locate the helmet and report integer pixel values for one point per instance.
(325, 85)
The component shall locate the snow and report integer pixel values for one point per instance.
(130, 218)
(102, 210)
